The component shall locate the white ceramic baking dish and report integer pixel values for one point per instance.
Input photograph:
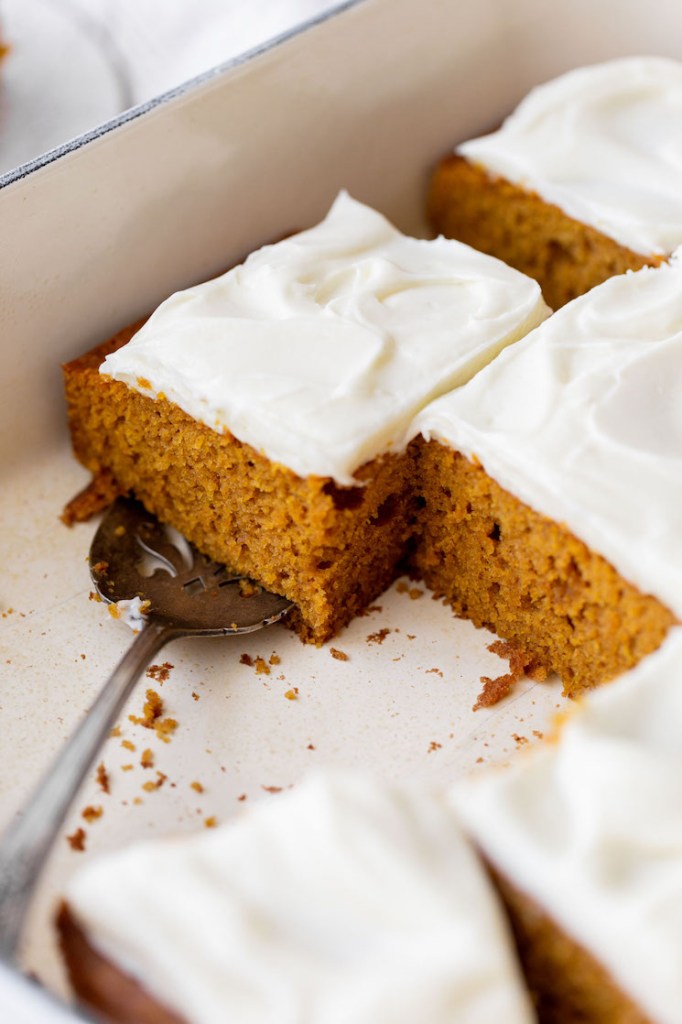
(93, 236)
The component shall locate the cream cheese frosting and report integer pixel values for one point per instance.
(582, 420)
(319, 350)
(590, 828)
(343, 901)
(603, 143)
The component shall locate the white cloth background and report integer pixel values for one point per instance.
(164, 42)
(76, 63)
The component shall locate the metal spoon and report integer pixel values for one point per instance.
(183, 594)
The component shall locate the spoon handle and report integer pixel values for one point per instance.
(27, 842)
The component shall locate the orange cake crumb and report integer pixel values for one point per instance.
(378, 637)
(160, 673)
(164, 729)
(102, 777)
(151, 717)
(91, 814)
(77, 840)
(156, 783)
(151, 711)
(98, 495)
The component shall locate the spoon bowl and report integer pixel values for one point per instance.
(135, 558)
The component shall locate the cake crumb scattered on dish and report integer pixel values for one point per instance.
(77, 840)
(98, 495)
(379, 636)
(151, 717)
(414, 593)
(157, 783)
(102, 777)
(160, 673)
(91, 813)
(520, 664)
(261, 666)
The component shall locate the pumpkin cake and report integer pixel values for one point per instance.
(584, 835)
(552, 483)
(580, 183)
(342, 900)
(265, 414)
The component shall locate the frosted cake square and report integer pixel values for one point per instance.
(266, 414)
(580, 183)
(552, 483)
(584, 835)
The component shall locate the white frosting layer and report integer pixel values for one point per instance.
(604, 143)
(132, 612)
(319, 350)
(582, 420)
(591, 828)
(341, 902)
